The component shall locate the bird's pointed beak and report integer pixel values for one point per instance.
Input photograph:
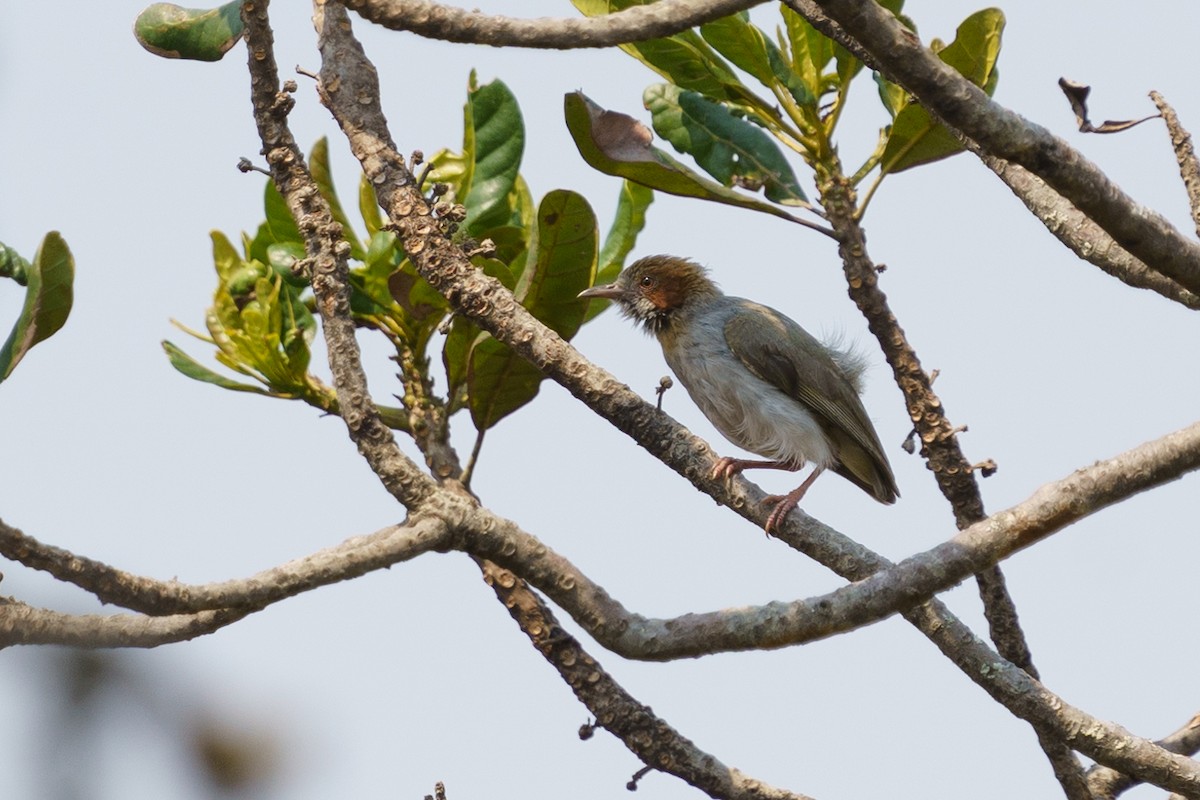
(608, 292)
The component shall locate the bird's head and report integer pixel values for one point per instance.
(653, 289)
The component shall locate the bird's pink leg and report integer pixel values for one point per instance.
(727, 467)
(784, 504)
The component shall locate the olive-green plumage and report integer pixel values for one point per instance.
(765, 383)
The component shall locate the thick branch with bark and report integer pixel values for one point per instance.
(634, 24)
(326, 266)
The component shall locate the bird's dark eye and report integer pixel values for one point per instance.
(647, 281)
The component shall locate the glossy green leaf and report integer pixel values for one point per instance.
(49, 293)
(199, 34)
(728, 147)
(194, 370)
(499, 134)
(915, 137)
(511, 242)
(318, 165)
(617, 144)
(368, 206)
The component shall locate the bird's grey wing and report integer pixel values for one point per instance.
(783, 354)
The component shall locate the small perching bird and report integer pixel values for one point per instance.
(765, 383)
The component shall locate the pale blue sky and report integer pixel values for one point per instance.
(382, 686)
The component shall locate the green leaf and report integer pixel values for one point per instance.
(48, 298)
(225, 258)
(893, 97)
(368, 206)
(617, 144)
(915, 137)
(498, 381)
(13, 265)
(562, 262)
(685, 59)
(423, 307)
(281, 227)
(495, 268)
(499, 136)
(282, 258)
(370, 294)
(199, 34)
(622, 236)
(627, 223)
(811, 50)
(752, 51)
(318, 165)
(455, 355)
(742, 43)
(194, 370)
(728, 147)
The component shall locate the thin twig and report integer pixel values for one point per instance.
(1181, 143)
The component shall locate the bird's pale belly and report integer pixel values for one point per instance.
(749, 411)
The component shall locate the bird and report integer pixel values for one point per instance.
(763, 381)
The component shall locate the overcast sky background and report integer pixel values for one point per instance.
(381, 686)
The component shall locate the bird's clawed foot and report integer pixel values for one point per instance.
(727, 467)
(785, 503)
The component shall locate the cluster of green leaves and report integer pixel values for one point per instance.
(739, 135)
(48, 280)
(546, 253)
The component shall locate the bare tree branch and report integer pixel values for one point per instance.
(24, 624)
(1106, 783)
(1082, 236)
(350, 559)
(649, 737)
(939, 444)
(634, 24)
(631, 635)
(898, 54)
(869, 599)
(326, 262)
